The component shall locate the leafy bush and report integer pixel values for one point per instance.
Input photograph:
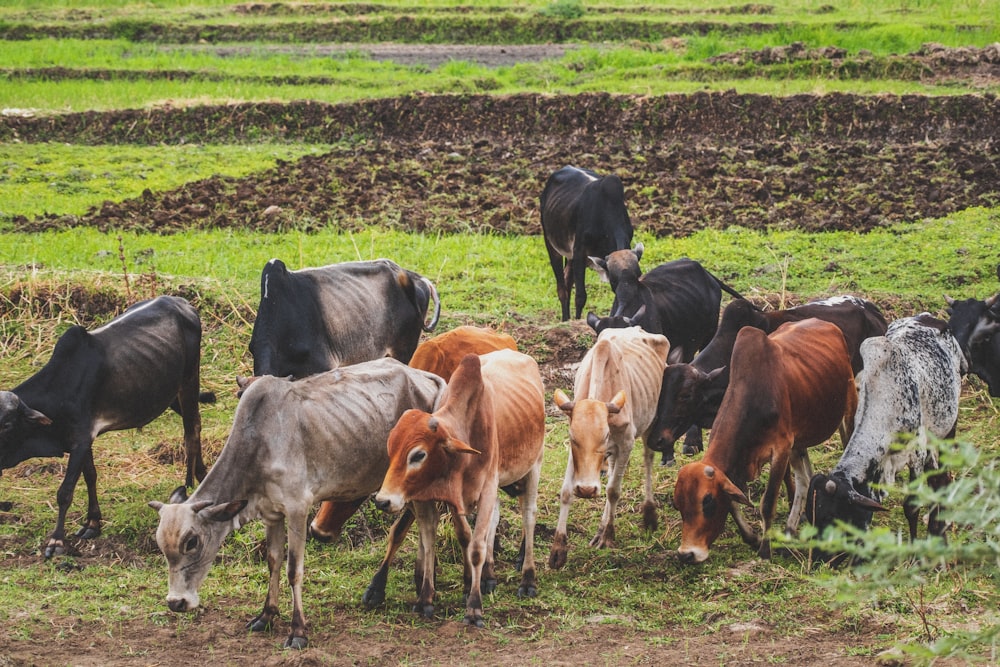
(563, 9)
(891, 572)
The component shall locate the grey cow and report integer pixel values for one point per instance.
(293, 443)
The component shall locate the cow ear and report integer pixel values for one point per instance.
(178, 496)
(223, 511)
(715, 373)
(734, 492)
(561, 401)
(458, 447)
(599, 265)
(34, 416)
(638, 251)
(616, 404)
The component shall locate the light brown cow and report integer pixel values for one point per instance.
(487, 434)
(616, 388)
(787, 392)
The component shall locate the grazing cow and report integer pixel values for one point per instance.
(583, 215)
(119, 376)
(316, 319)
(678, 299)
(691, 393)
(787, 392)
(615, 394)
(974, 324)
(487, 434)
(292, 443)
(910, 386)
(439, 355)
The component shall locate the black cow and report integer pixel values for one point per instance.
(692, 392)
(119, 376)
(678, 299)
(316, 319)
(583, 215)
(974, 324)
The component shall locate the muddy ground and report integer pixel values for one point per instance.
(475, 163)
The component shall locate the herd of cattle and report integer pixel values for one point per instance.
(337, 413)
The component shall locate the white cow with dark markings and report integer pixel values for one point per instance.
(293, 443)
(910, 385)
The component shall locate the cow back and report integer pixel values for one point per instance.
(440, 355)
(629, 360)
(580, 209)
(515, 385)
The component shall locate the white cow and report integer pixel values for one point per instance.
(615, 392)
(910, 385)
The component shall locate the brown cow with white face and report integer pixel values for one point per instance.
(787, 392)
(487, 434)
(616, 388)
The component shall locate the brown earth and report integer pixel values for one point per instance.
(464, 163)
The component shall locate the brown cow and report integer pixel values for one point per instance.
(439, 355)
(787, 392)
(487, 434)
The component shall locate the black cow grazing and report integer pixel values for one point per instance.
(317, 319)
(691, 393)
(678, 299)
(583, 215)
(974, 324)
(910, 386)
(122, 375)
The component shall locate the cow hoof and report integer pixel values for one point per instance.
(6, 506)
(557, 559)
(88, 533)
(425, 610)
(260, 624)
(373, 597)
(297, 643)
(690, 450)
(765, 550)
(488, 586)
(667, 462)
(55, 548)
(527, 591)
(474, 620)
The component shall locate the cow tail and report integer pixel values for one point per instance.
(729, 290)
(437, 306)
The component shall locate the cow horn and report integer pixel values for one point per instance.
(432, 424)
(862, 500)
(634, 320)
(831, 487)
(991, 301)
(949, 300)
(709, 472)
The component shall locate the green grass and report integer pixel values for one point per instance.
(68, 179)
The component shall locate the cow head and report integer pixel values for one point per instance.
(703, 496)
(189, 535)
(589, 434)
(16, 420)
(424, 456)
(974, 324)
(835, 498)
(621, 270)
(687, 398)
(599, 324)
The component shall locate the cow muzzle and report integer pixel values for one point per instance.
(586, 491)
(692, 554)
(180, 604)
(389, 503)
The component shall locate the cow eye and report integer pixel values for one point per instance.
(708, 505)
(191, 544)
(417, 456)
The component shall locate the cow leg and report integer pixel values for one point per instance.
(801, 470)
(692, 441)
(560, 543)
(187, 397)
(779, 467)
(427, 521)
(297, 521)
(528, 502)
(488, 580)
(561, 270)
(649, 519)
(477, 553)
(605, 537)
(743, 526)
(64, 496)
(375, 593)
(934, 525)
(275, 535)
(463, 531)
(92, 524)
(329, 521)
(579, 268)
